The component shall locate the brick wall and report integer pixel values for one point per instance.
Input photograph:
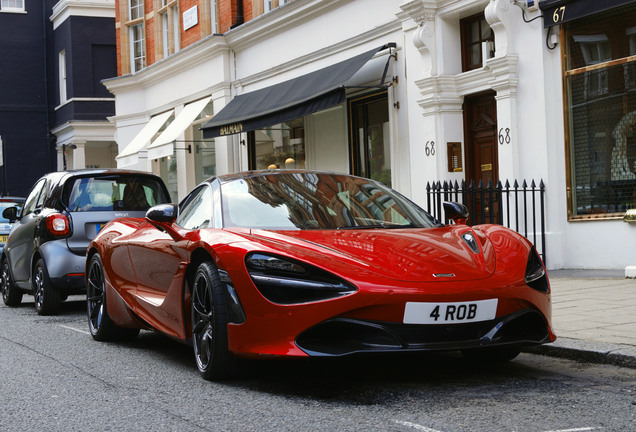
(193, 34)
(227, 15)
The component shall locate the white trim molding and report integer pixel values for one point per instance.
(89, 8)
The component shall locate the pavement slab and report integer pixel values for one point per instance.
(594, 317)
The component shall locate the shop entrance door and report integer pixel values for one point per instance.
(480, 138)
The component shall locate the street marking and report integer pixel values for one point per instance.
(573, 430)
(74, 329)
(416, 426)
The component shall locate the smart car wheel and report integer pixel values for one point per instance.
(11, 295)
(209, 325)
(99, 323)
(47, 298)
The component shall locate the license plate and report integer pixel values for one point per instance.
(3, 238)
(450, 313)
(98, 227)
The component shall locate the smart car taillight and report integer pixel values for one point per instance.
(58, 224)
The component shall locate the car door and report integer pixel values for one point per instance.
(22, 240)
(160, 261)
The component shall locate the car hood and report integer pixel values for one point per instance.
(413, 255)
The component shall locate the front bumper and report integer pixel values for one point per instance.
(345, 336)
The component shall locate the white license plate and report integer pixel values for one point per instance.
(450, 313)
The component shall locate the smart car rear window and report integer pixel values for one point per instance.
(113, 193)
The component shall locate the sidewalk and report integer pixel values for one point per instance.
(594, 317)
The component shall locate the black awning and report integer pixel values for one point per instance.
(557, 12)
(288, 100)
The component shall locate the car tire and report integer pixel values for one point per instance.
(47, 298)
(100, 325)
(11, 295)
(491, 355)
(209, 325)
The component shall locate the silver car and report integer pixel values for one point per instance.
(6, 224)
(45, 253)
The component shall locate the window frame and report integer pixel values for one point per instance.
(62, 76)
(135, 10)
(466, 44)
(141, 42)
(12, 9)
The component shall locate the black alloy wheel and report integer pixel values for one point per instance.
(209, 325)
(47, 297)
(11, 295)
(100, 325)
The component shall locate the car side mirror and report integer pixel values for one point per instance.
(456, 212)
(162, 213)
(162, 217)
(10, 213)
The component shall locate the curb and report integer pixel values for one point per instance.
(588, 352)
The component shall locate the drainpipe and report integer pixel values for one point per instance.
(239, 14)
(47, 111)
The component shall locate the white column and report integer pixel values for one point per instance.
(78, 155)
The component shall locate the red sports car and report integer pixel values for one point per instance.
(306, 263)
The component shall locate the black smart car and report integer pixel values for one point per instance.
(45, 253)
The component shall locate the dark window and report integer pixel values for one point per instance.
(475, 35)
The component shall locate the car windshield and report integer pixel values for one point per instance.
(113, 193)
(290, 201)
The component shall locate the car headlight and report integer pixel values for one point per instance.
(286, 281)
(536, 276)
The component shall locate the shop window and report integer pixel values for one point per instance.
(477, 41)
(280, 146)
(166, 168)
(203, 150)
(370, 138)
(601, 114)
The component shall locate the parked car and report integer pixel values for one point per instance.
(307, 263)
(6, 224)
(46, 251)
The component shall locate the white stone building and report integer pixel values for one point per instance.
(473, 90)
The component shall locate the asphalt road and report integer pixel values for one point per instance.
(54, 377)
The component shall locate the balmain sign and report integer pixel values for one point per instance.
(231, 129)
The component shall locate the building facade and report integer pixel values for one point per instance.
(406, 92)
(54, 109)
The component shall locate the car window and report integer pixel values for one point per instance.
(35, 196)
(7, 204)
(196, 210)
(113, 193)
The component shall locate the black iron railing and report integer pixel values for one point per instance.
(519, 207)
